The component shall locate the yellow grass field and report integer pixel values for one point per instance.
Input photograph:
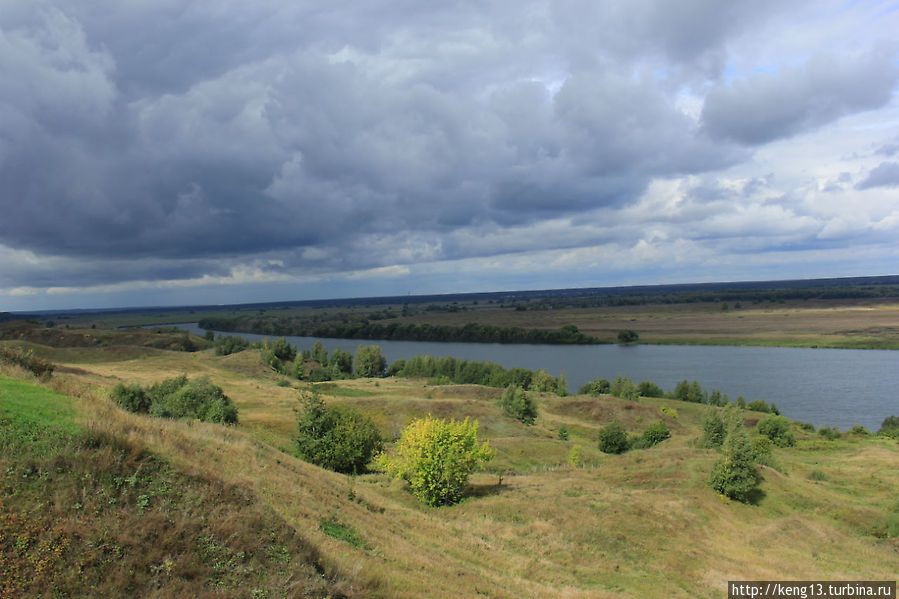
(642, 524)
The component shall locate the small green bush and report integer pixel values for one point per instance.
(628, 336)
(777, 428)
(613, 438)
(831, 433)
(563, 433)
(655, 433)
(133, 398)
(758, 405)
(858, 429)
(336, 437)
(889, 428)
(625, 388)
(576, 457)
(225, 346)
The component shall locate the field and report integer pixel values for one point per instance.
(641, 524)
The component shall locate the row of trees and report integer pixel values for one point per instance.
(363, 328)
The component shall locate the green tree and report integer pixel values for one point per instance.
(341, 362)
(713, 429)
(650, 389)
(320, 354)
(889, 427)
(369, 361)
(625, 388)
(734, 474)
(336, 437)
(628, 336)
(596, 387)
(613, 438)
(436, 457)
(517, 403)
(543, 382)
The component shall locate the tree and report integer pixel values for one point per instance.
(596, 387)
(436, 457)
(734, 475)
(341, 363)
(369, 361)
(625, 388)
(889, 427)
(336, 437)
(713, 429)
(543, 382)
(613, 438)
(320, 354)
(628, 336)
(517, 403)
(650, 389)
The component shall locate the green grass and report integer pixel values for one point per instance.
(33, 419)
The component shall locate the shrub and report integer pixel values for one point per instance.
(655, 433)
(650, 389)
(576, 457)
(691, 392)
(225, 346)
(436, 458)
(669, 411)
(858, 429)
(335, 437)
(517, 403)
(613, 438)
(199, 399)
(543, 382)
(628, 336)
(734, 475)
(777, 428)
(27, 360)
(563, 433)
(713, 429)
(830, 433)
(889, 427)
(595, 387)
(758, 405)
(133, 398)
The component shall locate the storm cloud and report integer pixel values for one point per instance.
(202, 141)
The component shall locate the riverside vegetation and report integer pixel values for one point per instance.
(100, 500)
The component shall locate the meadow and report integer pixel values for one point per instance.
(229, 510)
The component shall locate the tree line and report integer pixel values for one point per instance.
(363, 328)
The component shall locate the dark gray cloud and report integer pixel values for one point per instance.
(886, 174)
(175, 140)
(765, 107)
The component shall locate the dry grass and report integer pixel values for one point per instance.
(637, 525)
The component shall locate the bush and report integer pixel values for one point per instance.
(758, 405)
(335, 437)
(133, 398)
(777, 428)
(199, 399)
(628, 336)
(562, 435)
(436, 458)
(518, 404)
(734, 475)
(650, 389)
(830, 433)
(27, 360)
(596, 387)
(655, 433)
(762, 450)
(576, 457)
(613, 438)
(225, 346)
(889, 427)
(178, 398)
(858, 429)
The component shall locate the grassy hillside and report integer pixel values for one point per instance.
(641, 524)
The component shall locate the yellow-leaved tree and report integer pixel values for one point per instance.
(435, 457)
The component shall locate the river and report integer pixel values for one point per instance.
(833, 387)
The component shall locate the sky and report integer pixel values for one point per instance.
(173, 152)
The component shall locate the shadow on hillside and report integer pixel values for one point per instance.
(755, 497)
